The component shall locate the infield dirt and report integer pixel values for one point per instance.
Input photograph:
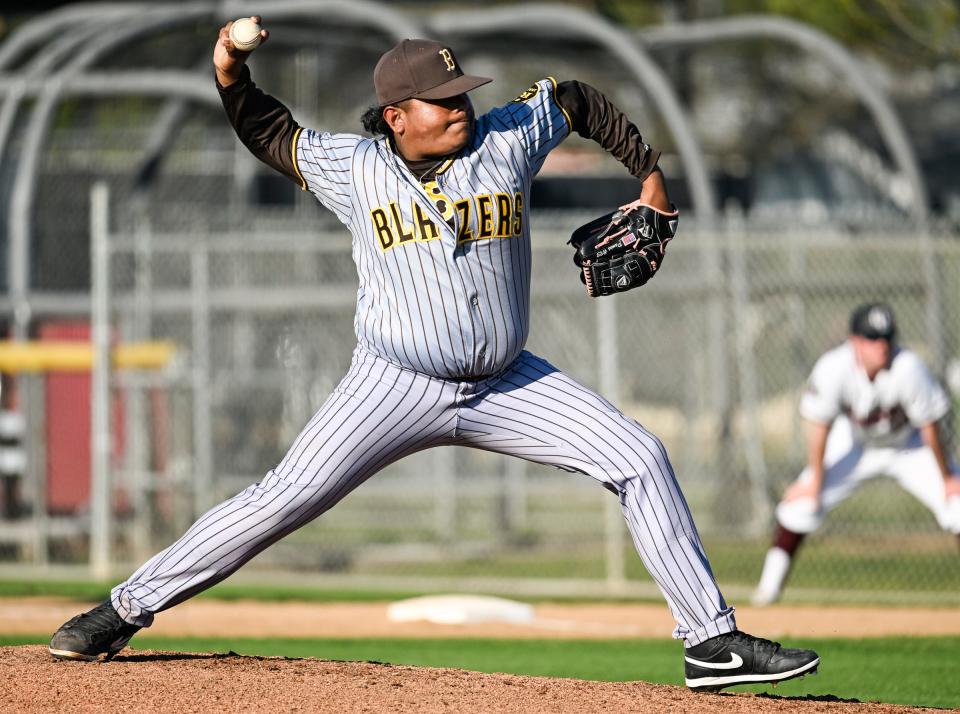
(149, 681)
(207, 617)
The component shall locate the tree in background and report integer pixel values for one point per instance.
(897, 30)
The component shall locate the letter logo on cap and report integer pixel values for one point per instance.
(879, 320)
(448, 58)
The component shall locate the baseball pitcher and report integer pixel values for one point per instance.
(437, 203)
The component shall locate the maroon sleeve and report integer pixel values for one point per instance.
(264, 125)
(593, 116)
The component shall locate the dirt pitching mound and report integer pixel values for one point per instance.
(143, 680)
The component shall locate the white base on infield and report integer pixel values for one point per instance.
(460, 610)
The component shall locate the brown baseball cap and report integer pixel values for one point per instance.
(424, 69)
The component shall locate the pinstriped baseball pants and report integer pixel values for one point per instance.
(380, 413)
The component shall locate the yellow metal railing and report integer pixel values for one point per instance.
(49, 355)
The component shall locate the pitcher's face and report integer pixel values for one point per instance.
(431, 128)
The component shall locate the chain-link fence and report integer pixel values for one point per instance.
(254, 283)
(710, 360)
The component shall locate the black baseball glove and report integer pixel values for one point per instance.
(624, 249)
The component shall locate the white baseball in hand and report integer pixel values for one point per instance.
(245, 34)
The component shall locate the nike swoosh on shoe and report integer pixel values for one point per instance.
(735, 661)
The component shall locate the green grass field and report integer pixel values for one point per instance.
(916, 671)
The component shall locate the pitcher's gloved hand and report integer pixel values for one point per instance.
(623, 249)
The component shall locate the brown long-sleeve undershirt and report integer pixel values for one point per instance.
(267, 128)
(593, 116)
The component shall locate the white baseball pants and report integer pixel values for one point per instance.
(847, 465)
(380, 413)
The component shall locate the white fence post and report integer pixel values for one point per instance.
(608, 360)
(746, 327)
(443, 463)
(202, 399)
(100, 490)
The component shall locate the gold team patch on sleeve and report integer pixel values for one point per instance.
(528, 94)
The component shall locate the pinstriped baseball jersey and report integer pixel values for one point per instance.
(444, 267)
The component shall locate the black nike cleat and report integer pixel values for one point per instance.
(739, 658)
(91, 634)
